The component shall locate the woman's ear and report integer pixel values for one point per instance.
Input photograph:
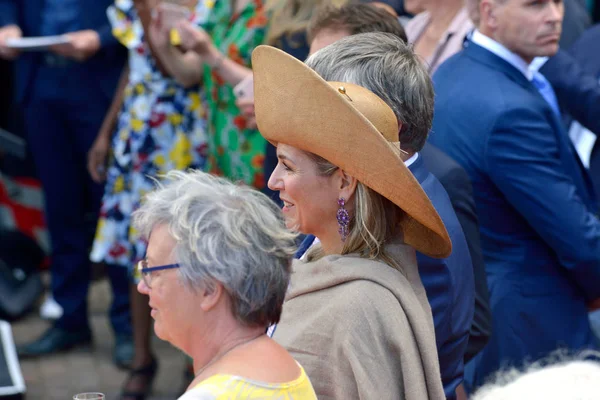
(210, 296)
(348, 185)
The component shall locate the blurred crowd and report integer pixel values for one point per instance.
(430, 164)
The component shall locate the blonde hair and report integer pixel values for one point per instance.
(374, 222)
(288, 17)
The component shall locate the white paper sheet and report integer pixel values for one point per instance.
(36, 43)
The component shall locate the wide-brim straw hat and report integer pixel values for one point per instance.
(348, 126)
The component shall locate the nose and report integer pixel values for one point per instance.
(275, 182)
(142, 288)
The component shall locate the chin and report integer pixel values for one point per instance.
(553, 49)
(548, 50)
(160, 333)
(292, 224)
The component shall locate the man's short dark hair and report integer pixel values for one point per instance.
(355, 18)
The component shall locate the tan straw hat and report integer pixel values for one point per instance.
(350, 127)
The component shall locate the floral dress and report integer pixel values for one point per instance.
(161, 126)
(235, 152)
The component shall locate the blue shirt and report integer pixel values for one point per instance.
(60, 16)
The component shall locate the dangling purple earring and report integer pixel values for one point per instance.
(343, 219)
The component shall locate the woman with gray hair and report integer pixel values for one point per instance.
(216, 272)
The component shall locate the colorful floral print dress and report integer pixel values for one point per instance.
(234, 151)
(161, 126)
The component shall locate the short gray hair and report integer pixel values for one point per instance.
(224, 233)
(384, 64)
(560, 376)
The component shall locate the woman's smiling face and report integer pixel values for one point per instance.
(309, 199)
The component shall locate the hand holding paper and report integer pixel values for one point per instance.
(6, 33)
(81, 45)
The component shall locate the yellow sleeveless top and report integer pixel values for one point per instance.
(226, 387)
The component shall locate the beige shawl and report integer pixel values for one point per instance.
(361, 329)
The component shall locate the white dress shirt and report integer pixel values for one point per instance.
(502, 52)
(411, 160)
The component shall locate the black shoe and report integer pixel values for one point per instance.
(123, 351)
(147, 373)
(54, 340)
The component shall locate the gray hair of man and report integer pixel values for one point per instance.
(384, 64)
(226, 233)
(559, 376)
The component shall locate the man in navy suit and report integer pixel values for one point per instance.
(65, 93)
(539, 229)
(574, 74)
(448, 282)
(590, 64)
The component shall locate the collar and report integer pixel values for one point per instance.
(502, 52)
(411, 160)
(538, 63)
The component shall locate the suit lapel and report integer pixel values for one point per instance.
(484, 56)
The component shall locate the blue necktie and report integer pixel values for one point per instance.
(545, 89)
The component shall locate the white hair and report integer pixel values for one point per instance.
(226, 233)
(568, 379)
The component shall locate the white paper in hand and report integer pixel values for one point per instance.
(36, 43)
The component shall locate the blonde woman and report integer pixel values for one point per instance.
(356, 315)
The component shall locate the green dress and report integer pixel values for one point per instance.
(235, 152)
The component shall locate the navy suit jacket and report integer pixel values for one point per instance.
(448, 283)
(539, 232)
(582, 51)
(589, 97)
(457, 183)
(575, 82)
(104, 68)
(575, 21)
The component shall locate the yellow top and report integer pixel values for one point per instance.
(225, 387)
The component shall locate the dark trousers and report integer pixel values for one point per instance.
(62, 118)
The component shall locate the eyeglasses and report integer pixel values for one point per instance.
(146, 272)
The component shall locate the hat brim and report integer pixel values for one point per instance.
(295, 106)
